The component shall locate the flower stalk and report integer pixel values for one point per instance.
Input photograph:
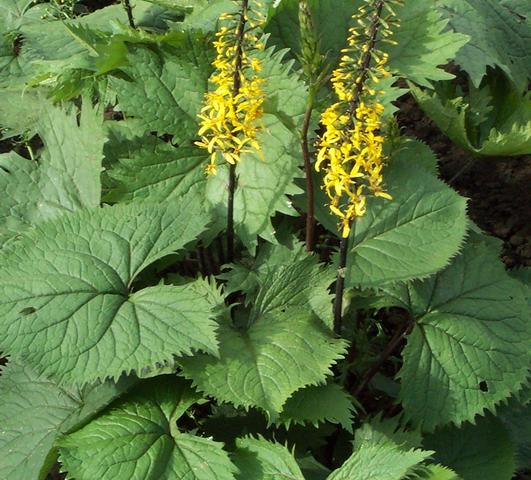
(351, 148)
(314, 73)
(129, 11)
(306, 155)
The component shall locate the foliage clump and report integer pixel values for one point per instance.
(161, 323)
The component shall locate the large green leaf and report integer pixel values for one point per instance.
(483, 450)
(423, 43)
(283, 345)
(258, 459)
(34, 412)
(469, 349)
(500, 32)
(377, 456)
(68, 303)
(265, 364)
(138, 439)
(165, 88)
(413, 235)
(65, 179)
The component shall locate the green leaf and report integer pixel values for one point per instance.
(516, 416)
(138, 439)
(476, 451)
(258, 459)
(317, 404)
(523, 275)
(508, 134)
(165, 88)
(68, 303)
(12, 13)
(145, 167)
(266, 178)
(413, 235)
(14, 69)
(35, 412)
(469, 348)
(438, 472)
(378, 457)
(312, 469)
(20, 112)
(265, 364)
(302, 283)
(67, 176)
(423, 43)
(332, 20)
(288, 276)
(500, 35)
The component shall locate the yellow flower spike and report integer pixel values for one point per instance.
(351, 148)
(229, 119)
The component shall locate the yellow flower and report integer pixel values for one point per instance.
(229, 119)
(351, 148)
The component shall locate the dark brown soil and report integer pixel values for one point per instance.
(93, 5)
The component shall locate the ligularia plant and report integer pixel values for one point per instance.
(177, 300)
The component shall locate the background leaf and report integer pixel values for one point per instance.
(138, 439)
(483, 450)
(423, 43)
(164, 88)
(507, 134)
(35, 412)
(500, 34)
(65, 179)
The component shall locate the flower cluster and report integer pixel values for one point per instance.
(350, 150)
(231, 113)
